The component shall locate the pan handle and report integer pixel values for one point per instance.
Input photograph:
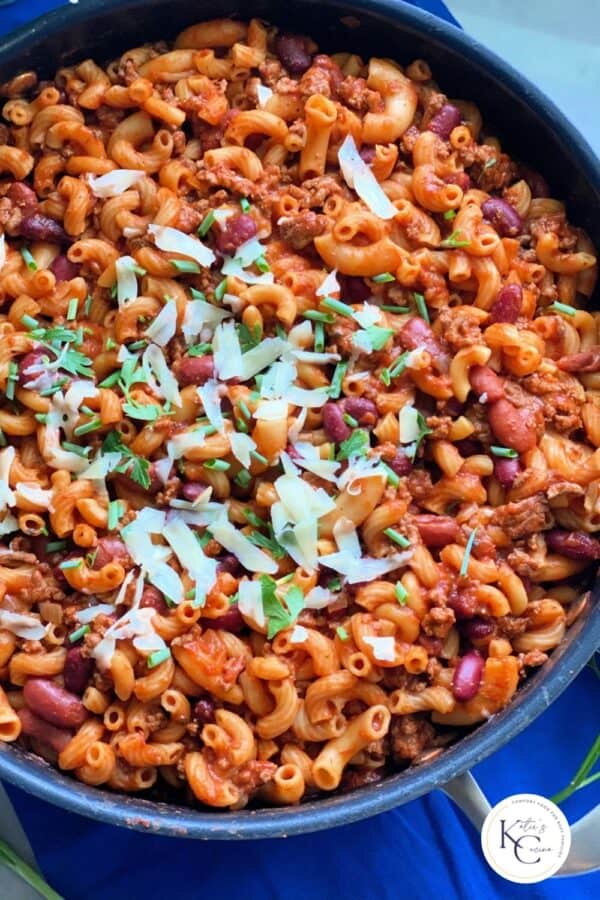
(584, 855)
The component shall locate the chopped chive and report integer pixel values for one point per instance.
(421, 306)
(280, 331)
(334, 584)
(220, 290)
(186, 266)
(385, 376)
(110, 380)
(29, 322)
(113, 291)
(241, 425)
(13, 375)
(29, 260)
(455, 241)
(138, 345)
(318, 316)
(464, 566)
(71, 563)
(137, 270)
(207, 223)
(259, 457)
(399, 365)
(449, 215)
(72, 309)
(87, 305)
(94, 425)
(350, 420)
(491, 162)
(243, 478)
(204, 539)
(401, 593)
(3, 441)
(90, 558)
(335, 388)
(78, 633)
(260, 540)
(48, 392)
(563, 308)
(392, 478)
(55, 546)
(399, 310)
(396, 537)
(319, 343)
(158, 657)
(189, 595)
(110, 344)
(75, 448)
(197, 295)
(342, 633)
(245, 204)
(115, 511)
(199, 349)
(337, 306)
(243, 407)
(218, 465)
(505, 452)
(255, 520)
(261, 264)
(87, 411)
(384, 278)
(41, 417)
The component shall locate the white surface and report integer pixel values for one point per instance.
(554, 43)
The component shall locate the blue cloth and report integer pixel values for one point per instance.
(421, 850)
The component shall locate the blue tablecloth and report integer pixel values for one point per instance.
(422, 850)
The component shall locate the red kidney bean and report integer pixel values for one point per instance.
(230, 564)
(418, 333)
(53, 703)
(23, 197)
(78, 671)
(153, 598)
(334, 73)
(468, 447)
(33, 358)
(437, 531)
(41, 228)
(467, 676)
(333, 423)
(463, 603)
(477, 628)
(507, 305)
(484, 381)
(361, 409)
(229, 621)
(400, 464)
(513, 427)
(433, 645)
(537, 183)
(291, 50)
(462, 179)
(63, 269)
(34, 727)
(445, 121)
(204, 711)
(235, 231)
(504, 217)
(194, 369)
(353, 288)
(367, 153)
(506, 471)
(573, 544)
(586, 361)
(110, 550)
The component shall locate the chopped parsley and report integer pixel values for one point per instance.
(374, 335)
(135, 467)
(279, 616)
(249, 337)
(145, 412)
(270, 544)
(355, 445)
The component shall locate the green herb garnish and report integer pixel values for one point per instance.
(464, 566)
(278, 615)
(397, 538)
(355, 445)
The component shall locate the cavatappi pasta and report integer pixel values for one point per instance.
(300, 418)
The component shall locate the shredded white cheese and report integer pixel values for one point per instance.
(409, 424)
(251, 557)
(164, 326)
(171, 240)
(384, 648)
(199, 315)
(127, 286)
(263, 94)
(7, 497)
(299, 635)
(202, 569)
(114, 183)
(24, 626)
(159, 376)
(250, 602)
(329, 286)
(209, 394)
(241, 447)
(360, 178)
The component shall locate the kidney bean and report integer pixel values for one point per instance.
(41, 228)
(586, 361)
(204, 711)
(354, 289)
(484, 381)
(367, 153)
(235, 231)
(507, 305)
(109, 550)
(78, 671)
(512, 426)
(477, 628)
(506, 471)
(417, 333)
(63, 269)
(229, 621)
(33, 358)
(573, 544)
(463, 603)
(400, 464)
(194, 369)
(333, 423)
(467, 676)
(468, 447)
(34, 727)
(436, 531)
(53, 703)
(192, 490)
(537, 183)
(504, 217)
(445, 121)
(153, 598)
(334, 73)
(253, 142)
(23, 197)
(292, 52)
(462, 179)
(361, 409)
(230, 564)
